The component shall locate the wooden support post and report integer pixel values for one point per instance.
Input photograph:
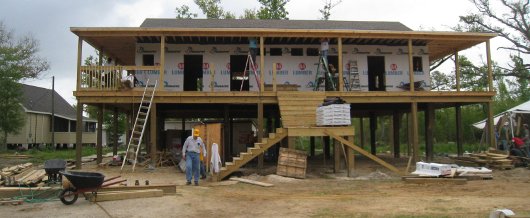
(79, 135)
(411, 67)
(115, 132)
(491, 134)
(292, 142)
(327, 152)
(274, 69)
(429, 128)
(459, 132)
(153, 136)
(79, 57)
(351, 157)
(262, 63)
(340, 67)
(226, 133)
(312, 146)
(99, 133)
(128, 127)
(409, 134)
(415, 144)
(457, 71)
(337, 150)
(161, 82)
(396, 118)
(373, 128)
(183, 132)
(490, 70)
(260, 134)
(212, 77)
(361, 123)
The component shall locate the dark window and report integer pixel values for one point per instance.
(311, 52)
(149, 60)
(297, 52)
(276, 52)
(417, 63)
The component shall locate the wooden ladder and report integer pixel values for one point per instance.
(251, 153)
(139, 126)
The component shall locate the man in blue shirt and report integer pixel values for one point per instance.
(190, 152)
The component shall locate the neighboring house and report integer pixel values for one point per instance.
(200, 63)
(38, 113)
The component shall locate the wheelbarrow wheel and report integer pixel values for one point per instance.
(68, 196)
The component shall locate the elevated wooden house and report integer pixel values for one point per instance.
(202, 63)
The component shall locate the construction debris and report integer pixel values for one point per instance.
(492, 158)
(252, 182)
(431, 172)
(122, 195)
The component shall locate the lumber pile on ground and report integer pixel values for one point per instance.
(22, 175)
(445, 173)
(122, 195)
(492, 158)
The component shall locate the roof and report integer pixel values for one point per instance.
(38, 100)
(274, 24)
(120, 42)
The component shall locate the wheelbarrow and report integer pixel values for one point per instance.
(83, 182)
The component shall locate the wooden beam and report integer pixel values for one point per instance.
(161, 83)
(340, 67)
(121, 195)
(411, 67)
(363, 152)
(79, 135)
(79, 57)
(457, 71)
(415, 143)
(319, 131)
(396, 124)
(153, 130)
(99, 133)
(212, 77)
(262, 63)
(459, 131)
(253, 182)
(490, 70)
(166, 189)
(429, 132)
(361, 123)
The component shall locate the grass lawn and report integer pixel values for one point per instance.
(39, 156)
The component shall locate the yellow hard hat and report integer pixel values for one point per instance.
(196, 132)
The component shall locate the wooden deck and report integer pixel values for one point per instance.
(269, 97)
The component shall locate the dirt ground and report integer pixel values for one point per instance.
(372, 192)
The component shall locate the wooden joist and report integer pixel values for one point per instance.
(166, 189)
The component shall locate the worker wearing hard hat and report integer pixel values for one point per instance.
(191, 151)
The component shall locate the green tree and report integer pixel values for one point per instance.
(18, 61)
(183, 12)
(328, 5)
(273, 10)
(513, 26)
(441, 81)
(249, 14)
(213, 10)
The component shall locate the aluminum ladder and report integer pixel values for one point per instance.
(133, 147)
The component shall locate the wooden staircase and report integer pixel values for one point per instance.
(298, 109)
(251, 153)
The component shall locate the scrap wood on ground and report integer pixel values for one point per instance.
(435, 172)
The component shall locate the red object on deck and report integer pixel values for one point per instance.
(518, 142)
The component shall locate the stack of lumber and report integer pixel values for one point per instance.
(490, 158)
(32, 178)
(8, 173)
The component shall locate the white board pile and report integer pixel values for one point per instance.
(333, 115)
(436, 170)
(432, 169)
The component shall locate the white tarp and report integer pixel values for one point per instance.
(523, 108)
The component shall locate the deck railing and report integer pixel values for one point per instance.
(109, 77)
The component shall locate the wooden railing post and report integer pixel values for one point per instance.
(212, 77)
(411, 67)
(162, 62)
(79, 54)
(274, 77)
(340, 68)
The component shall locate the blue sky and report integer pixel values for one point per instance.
(49, 21)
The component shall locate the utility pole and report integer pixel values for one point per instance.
(53, 111)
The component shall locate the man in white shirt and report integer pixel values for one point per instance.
(190, 152)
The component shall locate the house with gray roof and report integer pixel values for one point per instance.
(37, 105)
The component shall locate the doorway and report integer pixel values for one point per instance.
(332, 60)
(376, 73)
(237, 67)
(192, 72)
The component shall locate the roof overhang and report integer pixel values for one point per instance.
(120, 42)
